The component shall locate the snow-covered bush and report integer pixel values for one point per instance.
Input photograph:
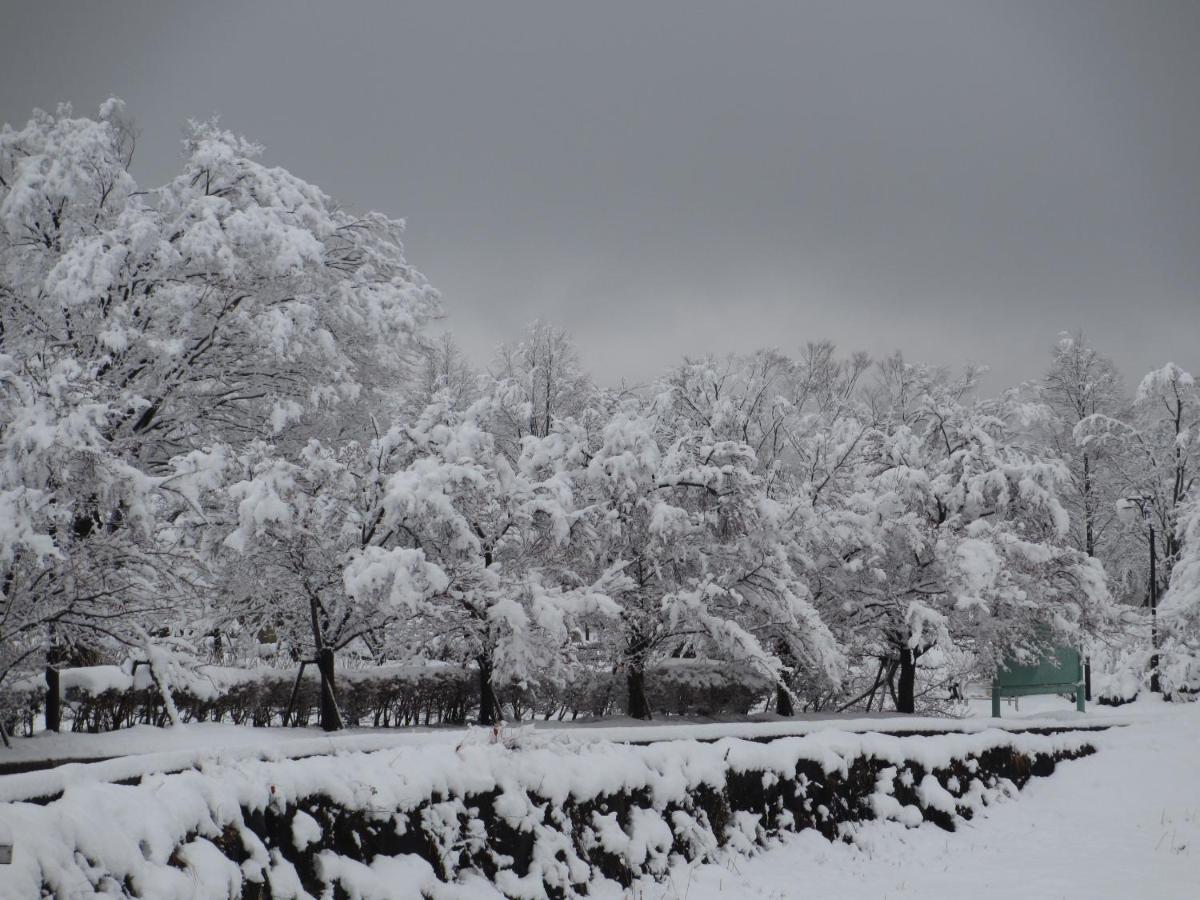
(1180, 667)
(1116, 688)
(103, 698)
(546, 818)
(682, 687)
(109, 697)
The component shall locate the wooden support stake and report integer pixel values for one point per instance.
(295, 688)
(53, 700)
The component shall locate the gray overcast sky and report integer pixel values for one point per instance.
(958, 180)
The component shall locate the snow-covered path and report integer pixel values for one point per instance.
(1123, 824)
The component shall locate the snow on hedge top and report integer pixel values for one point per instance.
(131, 832)
(202, 745)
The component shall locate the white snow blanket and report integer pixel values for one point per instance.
(1122, 824)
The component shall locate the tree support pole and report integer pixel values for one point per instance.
(1155, 682)
(53, 700)
(331, 716)
(287, 713)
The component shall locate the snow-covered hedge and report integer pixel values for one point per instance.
(1180, 674)
(1118, 688)
(536, 817)
(105, 698)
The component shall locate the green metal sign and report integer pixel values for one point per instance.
(1058, 672)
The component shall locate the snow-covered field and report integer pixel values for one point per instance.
(1122, 824)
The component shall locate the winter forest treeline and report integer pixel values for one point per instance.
(229, 435)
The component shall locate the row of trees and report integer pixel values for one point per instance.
(225, 432)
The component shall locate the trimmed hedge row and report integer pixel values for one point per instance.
(381, 696)
(752, 809)
(106, 698)
(536, 820)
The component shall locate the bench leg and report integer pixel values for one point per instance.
(995, 702)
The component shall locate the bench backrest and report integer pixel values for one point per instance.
(1059, 671)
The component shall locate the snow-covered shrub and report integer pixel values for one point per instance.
(684, 687)
(20, 703)
(1180, 668)
(1120, 672)
(103, 698)
(108, 697)
(1116, 688)
(546, 818)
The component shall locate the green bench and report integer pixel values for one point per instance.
(1060, 672)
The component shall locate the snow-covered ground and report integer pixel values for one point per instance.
(1122, 824)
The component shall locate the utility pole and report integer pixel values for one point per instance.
(1127, 510)
(1155, 684)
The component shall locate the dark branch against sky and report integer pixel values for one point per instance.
(958, 180)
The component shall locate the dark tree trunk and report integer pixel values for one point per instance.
(57, 657)
(53, 700)
(331, 717)
(635, 679)
(783, 700)
(1089, 545)
(906, 688)
(783, 697)
(487, 692)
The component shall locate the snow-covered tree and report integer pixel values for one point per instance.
(441, 372)
(1157, 458)
(90, 551)
(542, 380)
(224, 305)
(800, 416)
(685, 517)
(492, 533)
(740, 398)
(1081, 383)
(1156, 453)
(956, 538)
(295, 522)
(143, 327)
(1181, 604)
(805, 423)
